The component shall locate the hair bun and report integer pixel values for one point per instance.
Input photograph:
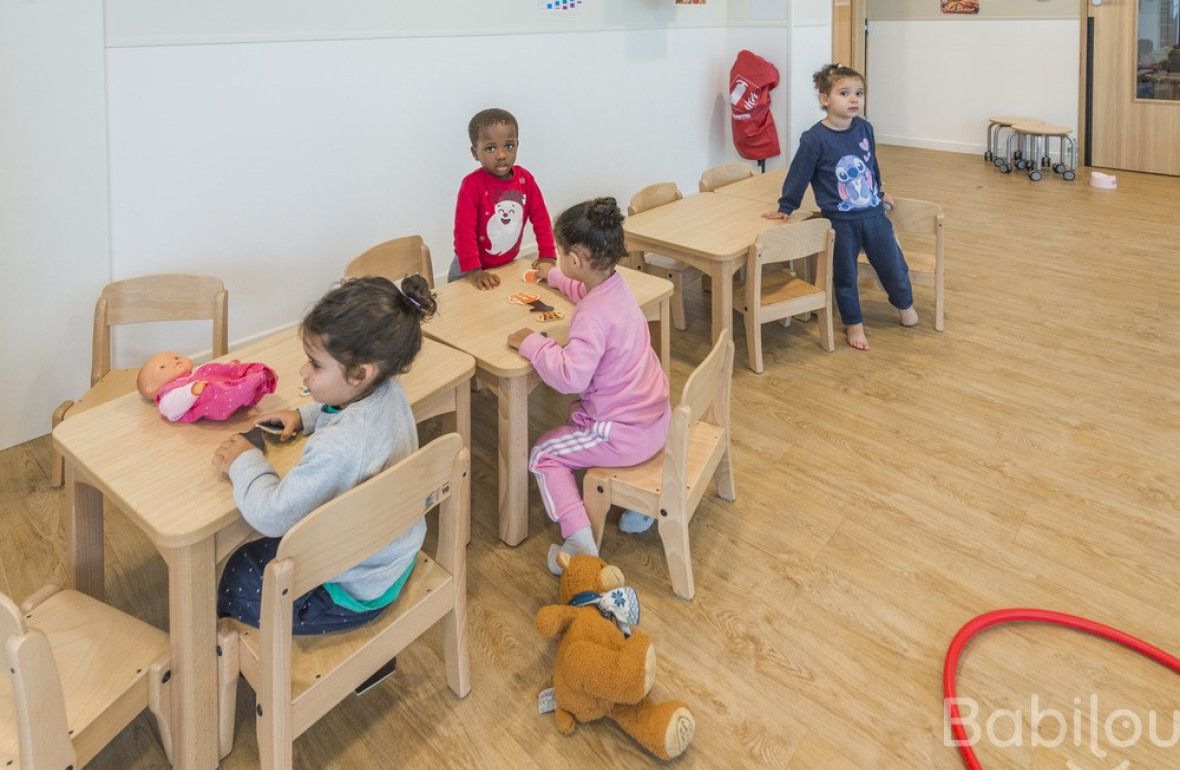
(604, 213)
(418, 296)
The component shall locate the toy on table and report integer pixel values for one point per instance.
(532, 275)
(213, 391)
(603, 666)
(532, 301)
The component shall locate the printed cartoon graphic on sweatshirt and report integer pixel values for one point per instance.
(506, 224)
(855, 181)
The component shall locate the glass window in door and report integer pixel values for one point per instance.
(1157, 70)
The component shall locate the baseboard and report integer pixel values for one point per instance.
(964, 148)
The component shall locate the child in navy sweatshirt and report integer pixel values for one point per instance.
(838, 157)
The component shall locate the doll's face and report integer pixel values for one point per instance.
(160, 370)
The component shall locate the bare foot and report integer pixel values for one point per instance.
(856, 336)
(909, 316)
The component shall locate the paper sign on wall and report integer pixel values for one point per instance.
(959, 6)
(560, 7)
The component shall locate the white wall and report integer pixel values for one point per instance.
(53, 205)
(271, 165)
(934, 83)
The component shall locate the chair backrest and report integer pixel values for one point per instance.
(394, 260)
(350, 528)
(653, 195)
(726, 173)
(705, 396)
(164, 297)
(787, 243)
(914, 216)
(38, 706)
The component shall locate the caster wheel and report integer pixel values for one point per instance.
(1020, 164)
(1046, 161)
(1069, 176)
(988, 155)
(1034, 175)
(998, 162)
(1004, 168)
(1059, 168)
(1017, 155)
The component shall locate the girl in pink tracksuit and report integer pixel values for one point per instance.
(622, 413)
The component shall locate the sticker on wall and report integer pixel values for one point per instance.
(959, 6)
(560, 7)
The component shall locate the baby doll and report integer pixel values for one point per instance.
(214, 391)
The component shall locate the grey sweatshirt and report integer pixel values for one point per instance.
(343, 449)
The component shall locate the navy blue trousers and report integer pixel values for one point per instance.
(240, 595)
(875, 236)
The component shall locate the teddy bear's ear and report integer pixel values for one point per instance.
(610, 577)
(564, 559)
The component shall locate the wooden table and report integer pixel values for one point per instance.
(161, 476)
(711, 232)
(479, 322)
(768, 188)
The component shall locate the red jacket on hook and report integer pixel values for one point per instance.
(750, 81)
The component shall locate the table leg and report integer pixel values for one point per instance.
(83, 533)
(722, 274)
(192, 624)
(665, 331)
(513, 409)
(459, 421)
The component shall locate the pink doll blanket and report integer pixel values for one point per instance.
(228, 387)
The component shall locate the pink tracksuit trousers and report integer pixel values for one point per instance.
(622, 416)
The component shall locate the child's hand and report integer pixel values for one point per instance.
(229, 451)
(290, 419)
(776, 214)
(543, 266)
(198, 387)
(889, 202)
(484, 280)
(517, 337)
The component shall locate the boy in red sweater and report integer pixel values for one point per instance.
(494, 202)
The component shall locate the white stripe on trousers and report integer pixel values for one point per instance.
(598, 433)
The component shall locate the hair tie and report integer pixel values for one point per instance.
(413, 301)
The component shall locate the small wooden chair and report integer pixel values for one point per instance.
(726, 173)
(148, 299)
(674, 270)
(298, 679)
(922, 223)
(77, 672)
(669, 486)
(773, 295)
(395, 260)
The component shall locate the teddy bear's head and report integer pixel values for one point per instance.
(586, 573)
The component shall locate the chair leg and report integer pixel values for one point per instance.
(454, 640)
(938, 304)
(228, 666)
(678, 319)
(723, 475)
(753, 339)
(160, 703)
(826, 333)
(596, 498)
(57, 465)
(674, 534)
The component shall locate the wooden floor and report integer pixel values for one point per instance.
(1027, 456)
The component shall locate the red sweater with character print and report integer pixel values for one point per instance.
(490, 215)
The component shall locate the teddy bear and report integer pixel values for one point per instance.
(603, 667)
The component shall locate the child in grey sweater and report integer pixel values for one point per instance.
(357, 338)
